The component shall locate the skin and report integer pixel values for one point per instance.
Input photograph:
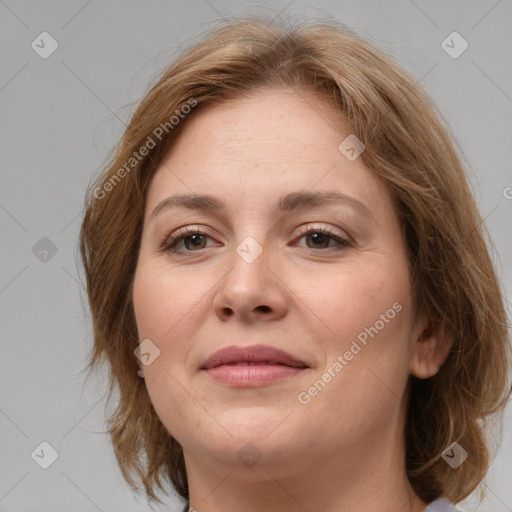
(344, 449)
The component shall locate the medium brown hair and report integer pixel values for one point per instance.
(407, 147)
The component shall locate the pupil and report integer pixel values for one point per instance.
(317, 238)
(195, 240)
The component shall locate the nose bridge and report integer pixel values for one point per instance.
(250, 287)
(249, 267)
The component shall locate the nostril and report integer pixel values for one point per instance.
(266, 309)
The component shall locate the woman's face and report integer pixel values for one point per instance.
(324, 279)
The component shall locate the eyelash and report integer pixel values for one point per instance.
(170, 242)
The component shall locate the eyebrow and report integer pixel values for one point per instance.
(288, 203)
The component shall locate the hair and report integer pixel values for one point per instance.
(406, 146)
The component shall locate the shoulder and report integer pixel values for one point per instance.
(442, 505)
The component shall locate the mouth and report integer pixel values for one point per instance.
(252, 366)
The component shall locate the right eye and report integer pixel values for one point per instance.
(190, 238)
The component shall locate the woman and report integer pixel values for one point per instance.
(285, 248)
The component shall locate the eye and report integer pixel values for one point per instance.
(191, 238)
(321, 238)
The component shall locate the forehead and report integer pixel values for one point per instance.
(251, 151)
(279, 123)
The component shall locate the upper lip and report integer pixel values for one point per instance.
(251, 354)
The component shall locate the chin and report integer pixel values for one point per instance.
(255, 423)
(244, 450)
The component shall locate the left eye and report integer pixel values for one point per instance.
(320, 239)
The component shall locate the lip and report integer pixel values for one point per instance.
(255, 365)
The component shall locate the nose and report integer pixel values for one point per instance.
(251, 291)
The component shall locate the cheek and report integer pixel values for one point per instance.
(365, 335)
(164, 304)
(164, 300)
(366, 295)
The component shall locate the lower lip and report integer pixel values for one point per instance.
(252, 375)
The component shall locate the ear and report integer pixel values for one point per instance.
(431, 349)
(140, 370)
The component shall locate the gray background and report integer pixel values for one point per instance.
(61, 115)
